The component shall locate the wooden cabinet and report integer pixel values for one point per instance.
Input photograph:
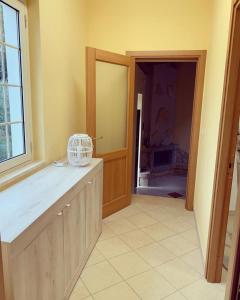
(38, 271)
(93, 209)
(46, 259)
(74, 237)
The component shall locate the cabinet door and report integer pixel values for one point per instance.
(74, 236)
(38, 271)
(93, 209)
(99, 200)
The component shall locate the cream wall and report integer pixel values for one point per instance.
(57, 47)
(148, 25)
(36, 79)
(210, 119)
(59, 32)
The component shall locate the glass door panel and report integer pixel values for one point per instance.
(111, 106)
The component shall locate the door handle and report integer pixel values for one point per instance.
(96, 138)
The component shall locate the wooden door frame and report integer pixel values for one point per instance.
(225, 151)
(234, 261)
(198, 56)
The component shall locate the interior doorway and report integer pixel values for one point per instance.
(182, 56)
(164, 96)
(101, 66)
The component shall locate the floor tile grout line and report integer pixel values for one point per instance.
(92, 294)
(107, 258)
(178, 289)
(123, 280)
(168, 260)
(85, 286)
(146, 210)
(175, 290)
(175, 233)
(132, 275)
(191, 224)
(126, 281)
(141, 229)
(183, 295)
(178, 257)
(134, 250)
(173, 294)
(154, 242)
(151, 267)
(133, 290)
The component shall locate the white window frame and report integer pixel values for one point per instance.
(25, 67)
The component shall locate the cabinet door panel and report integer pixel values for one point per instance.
(74, 236)
(38, 270)
(99, 196)
(93, 209)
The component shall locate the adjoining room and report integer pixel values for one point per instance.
(164, 93)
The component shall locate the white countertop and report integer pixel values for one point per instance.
(26, 201)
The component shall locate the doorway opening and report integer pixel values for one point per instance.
(164, 97)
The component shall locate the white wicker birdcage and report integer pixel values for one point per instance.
(80, 150)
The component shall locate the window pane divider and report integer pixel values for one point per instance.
(6, 129)
(8, 45)
(10, 123)
(10, 85)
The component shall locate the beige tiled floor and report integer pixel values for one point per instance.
(148, 251)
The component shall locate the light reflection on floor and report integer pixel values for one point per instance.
(163, 185)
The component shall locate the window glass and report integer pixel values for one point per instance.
(12, 130)
(111, 106)
(9, 30)
(12, 66)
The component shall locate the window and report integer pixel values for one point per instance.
(15, 143)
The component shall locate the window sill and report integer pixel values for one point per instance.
(19, 174)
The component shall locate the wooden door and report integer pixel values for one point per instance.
(93, 210)
(38, 271)
(110, 103)
(74, 237)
